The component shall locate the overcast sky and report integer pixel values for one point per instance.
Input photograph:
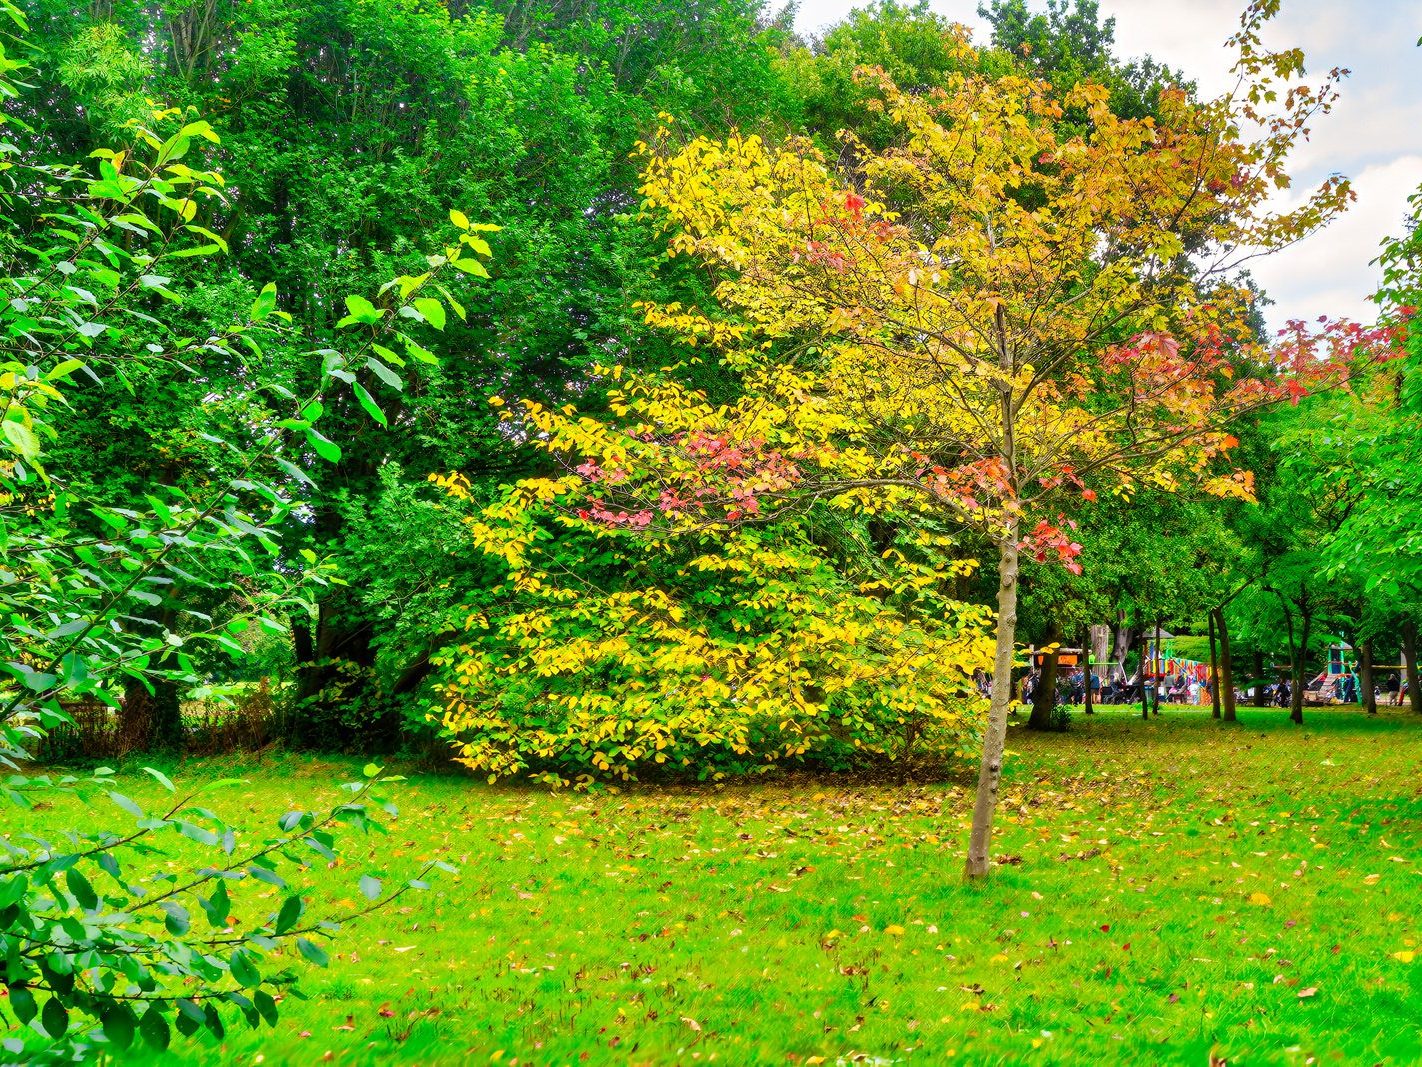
(1374, 135)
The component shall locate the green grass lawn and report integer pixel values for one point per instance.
(1167, 889)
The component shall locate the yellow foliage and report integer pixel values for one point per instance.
(606, 651)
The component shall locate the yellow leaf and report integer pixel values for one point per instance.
(894, 931)
(1259, 898)
(1405, 956)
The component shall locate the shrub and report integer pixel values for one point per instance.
(606, 654)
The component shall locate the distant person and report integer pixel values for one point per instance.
(1283, 694)
(1350, 689)
(1394, 689)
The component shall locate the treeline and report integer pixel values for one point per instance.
(348, 132)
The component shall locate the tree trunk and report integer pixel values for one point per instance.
(1300, 667)
(1409, 650)
(1214, 671)
(1226, 668)
(150, 721)
(1086, 672)
(1122, 643)
(1099, 640)
(338, 706)
(1141, 673)
(995, 737)
(1258, 679)
(1368, 696)
(1045, 698)
(1155, 700)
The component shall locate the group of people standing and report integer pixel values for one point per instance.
(1182, 689)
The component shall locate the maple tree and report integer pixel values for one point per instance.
(1001, 308)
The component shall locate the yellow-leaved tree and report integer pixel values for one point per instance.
(1024, 296)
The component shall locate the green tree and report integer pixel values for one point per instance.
(98, 943)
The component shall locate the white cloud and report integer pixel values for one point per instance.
(1331, 273)
(1374, 134)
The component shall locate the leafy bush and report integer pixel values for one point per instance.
(606, 654)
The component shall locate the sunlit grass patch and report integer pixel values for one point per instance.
(1166, 889)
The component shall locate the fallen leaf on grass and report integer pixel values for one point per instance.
(1405, 956)
(1310, 991)
(1260, 898)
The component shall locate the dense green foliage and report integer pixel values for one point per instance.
(349, 131)
(129, 569)
(270, 269)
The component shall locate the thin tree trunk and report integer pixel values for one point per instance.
(1086, 670)
(1226, 668)
(1259, 679)
(1409, 649)
(1368, 696)
(1045, 698)
(1214, 671)
(1300, 666)
(1142, 672)
(995, 737)
(1155, 701)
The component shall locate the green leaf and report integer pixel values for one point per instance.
(218, 906)
(420, 353)
(22, 1003)
(295, 471)
(63, 370)
(161, 778)
(368, 403)
(54, 1018)
(244, 972)
(176, 919)
(265, 303)
(82, 891)
(127, 805)
(387, 355)
(471, 266)
(459, 218)
(314, 953)
(432, 310)
(361, 311)
(118, 1025)
(266, 874)
(290, 914)
(384, 373)
(323, 446)
(266, 1006)
(154, 1028)
(202, 231)
(22, 439)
